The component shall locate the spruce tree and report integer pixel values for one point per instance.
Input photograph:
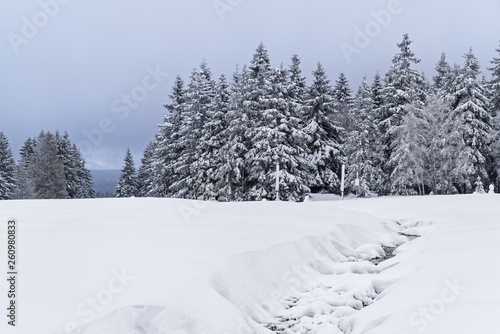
(443, 80)
(470, 108)
(168, 144)
(78, 178)
(25, 188)
(343, 103)
(409, 150)
(47, 169)
(198, 97)
(495, 84)
(233, 173)
(323, 136)
(145, 172)
(208, 171)
(404, 87)
(127, 184)
(362, 146)
(7, 169)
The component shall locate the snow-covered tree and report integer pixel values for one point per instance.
(168, 144)
(196, 112)
(233, 180)
(409, 151)
(25, 188)
(209, 164)
(343, 103)
(470, 108)
(362, 145)
(274, 135)
(145, 172)
(495, 84)
(48, 169)
(78, 177)
(7, 169)
(446, 147)
(404, 87)
(323, 142)
(127, 184)
(443, 80)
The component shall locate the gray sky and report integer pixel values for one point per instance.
(102, 70)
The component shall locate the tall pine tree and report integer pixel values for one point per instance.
(7, 169)
(48, 169)
(324, 142)
(127, 184)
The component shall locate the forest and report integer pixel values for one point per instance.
(400, 134)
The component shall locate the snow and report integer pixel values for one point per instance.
(144, 265)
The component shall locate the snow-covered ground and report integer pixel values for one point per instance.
(176, 266)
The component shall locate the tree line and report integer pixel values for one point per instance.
(50, 167)
(401, 134)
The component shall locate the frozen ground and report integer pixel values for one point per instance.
(161, 266)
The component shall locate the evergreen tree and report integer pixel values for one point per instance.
(362, 145)
(343, 103)
(404, 87)
(495, 84)
(208, 167)
(78, 178)
(127, 184)
(168, 145)
(7, 169)
(470, 108)
(323, 141)
(446, 147)
(233, 180)
(443, 81)
(199, 96)
(409, 153)
(145, 173)
(25, 188)
(274, 136)
(47, 169)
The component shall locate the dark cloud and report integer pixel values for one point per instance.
(69, 71)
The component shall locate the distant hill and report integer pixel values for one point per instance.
(105, 181)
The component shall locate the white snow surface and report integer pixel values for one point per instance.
(156, 266)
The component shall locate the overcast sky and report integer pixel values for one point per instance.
(102, 70)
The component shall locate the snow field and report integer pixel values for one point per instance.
(144, 265)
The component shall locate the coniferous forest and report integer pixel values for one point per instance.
(399, 133)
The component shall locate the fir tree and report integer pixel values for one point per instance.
(233, 180)
(404, 87)
(7, 169)
(25, 188)
(343, 103)
(324, 143)
(127, 184)
(145, 172)
(78, 178)
(495, 84)
(446, 147)
(168, 145)
(470, 108)
(409, 153)
(47, 169)
(362, 145)
(208, 171)
(443, 80)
